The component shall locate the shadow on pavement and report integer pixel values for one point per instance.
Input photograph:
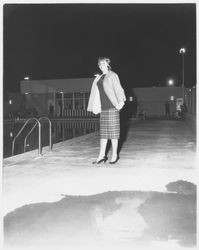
(117, 217)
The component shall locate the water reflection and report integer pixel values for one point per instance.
(61, 131)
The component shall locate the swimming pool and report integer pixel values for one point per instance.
(61, 130)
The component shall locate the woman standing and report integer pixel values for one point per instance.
(107, 97)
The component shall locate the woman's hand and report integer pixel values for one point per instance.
(120, 105)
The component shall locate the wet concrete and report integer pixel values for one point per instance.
(146, 200)
(133, 217)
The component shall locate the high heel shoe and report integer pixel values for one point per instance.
(113, 162)
(104, 159)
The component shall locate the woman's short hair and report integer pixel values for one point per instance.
(104, 58)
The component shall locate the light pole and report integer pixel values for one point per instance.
(62, 111)
(182, 52)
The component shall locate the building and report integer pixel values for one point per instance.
(58, 98)
(151, 101)
(65, 98)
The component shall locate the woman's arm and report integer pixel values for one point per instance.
(119, 91)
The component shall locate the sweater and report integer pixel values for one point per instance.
(105, 101)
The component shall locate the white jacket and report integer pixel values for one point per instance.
(112, 88)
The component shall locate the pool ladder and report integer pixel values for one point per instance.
(37, 122)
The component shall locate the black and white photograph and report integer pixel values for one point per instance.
(99, 125)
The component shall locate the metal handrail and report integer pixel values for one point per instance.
(50, 133)
(25, 140)
(39, 125)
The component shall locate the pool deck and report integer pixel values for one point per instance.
(153, 154)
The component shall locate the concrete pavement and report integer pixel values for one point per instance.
(152, 155)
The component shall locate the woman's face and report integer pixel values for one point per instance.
(103, 65)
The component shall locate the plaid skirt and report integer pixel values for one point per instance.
(110, 124)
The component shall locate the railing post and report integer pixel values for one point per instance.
(25, 140)
(50, 131)
(39, 149)
(50, 137)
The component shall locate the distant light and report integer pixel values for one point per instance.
(11, 134)
(130, 98)
(26, 93)
(182, 51)
(172, 98)
(26, 78)
(61, 92)
(189, 90)
(171, 82)
(10, 101)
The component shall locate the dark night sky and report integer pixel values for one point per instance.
(56, 41)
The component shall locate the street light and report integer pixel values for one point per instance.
(182, 52)
(171, 82)
(27, 78)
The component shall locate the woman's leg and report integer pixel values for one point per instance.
(103, 143)
(114, 143)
